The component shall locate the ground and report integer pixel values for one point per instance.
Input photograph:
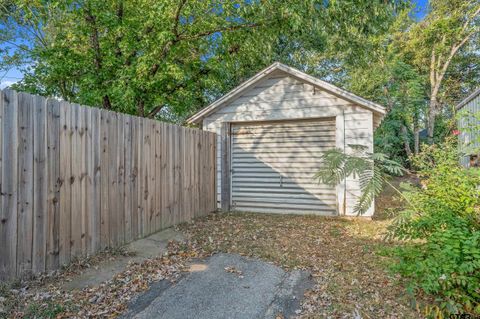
(347, 259)
(345, 256)
(225, 286)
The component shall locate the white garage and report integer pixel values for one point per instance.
(272, 131)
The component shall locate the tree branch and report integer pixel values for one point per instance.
(97, 55)
(225, 29)
(119, 13)
(453, 51)
(170, 43)
(177, 17)
(155, 111)
(432, 69)
(180, 85)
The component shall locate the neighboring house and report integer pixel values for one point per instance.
(469, 127)
(272, 131)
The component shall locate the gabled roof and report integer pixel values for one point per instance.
(295, 73)
(468, 99)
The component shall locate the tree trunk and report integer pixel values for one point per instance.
(432, 114)
(97, 56)
(406, 140)
(416, 135)
(416, 140)
(106, 102)
(141, 108)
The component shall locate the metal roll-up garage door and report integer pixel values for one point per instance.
(273, 164)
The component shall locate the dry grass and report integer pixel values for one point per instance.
(343, 255)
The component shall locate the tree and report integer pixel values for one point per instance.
(396, 85)
(433, 45)
(169, 58)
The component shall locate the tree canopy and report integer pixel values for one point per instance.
(167, 59)
(146, 57)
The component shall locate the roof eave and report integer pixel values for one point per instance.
(468, 99)
(197, 117)
(335, 90)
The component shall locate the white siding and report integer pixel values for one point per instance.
(282, 97)
(469, 139)
(358, 130)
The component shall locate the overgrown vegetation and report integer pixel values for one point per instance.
(440, 224)
(442, 227)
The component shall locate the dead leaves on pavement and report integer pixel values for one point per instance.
(342, 256)
(350, 275)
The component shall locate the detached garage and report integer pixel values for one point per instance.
(272, 131)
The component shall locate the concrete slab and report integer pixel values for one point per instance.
(225, 286)
(140, 250)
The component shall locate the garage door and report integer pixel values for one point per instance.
(273, 164)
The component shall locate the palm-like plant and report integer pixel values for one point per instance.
(372, 169)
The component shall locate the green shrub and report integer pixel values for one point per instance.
(442, 226)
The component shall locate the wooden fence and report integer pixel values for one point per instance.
(76, 180)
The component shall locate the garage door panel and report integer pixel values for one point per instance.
(306, 167)
(287, 171)
(273, 165)
(274, 157)
(280, 129)
(272, 185)
(250, 206)
(271, 126)
(300, 204)
(320, 146)
(272, 160)
(281, 196)
(292, 141)
(286, 210)
(282, 135)
(294, 175)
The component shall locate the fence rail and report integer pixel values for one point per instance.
(76, 180)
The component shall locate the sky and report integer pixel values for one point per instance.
(422, 6)
(14, 75)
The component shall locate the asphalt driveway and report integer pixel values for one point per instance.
(225, 286)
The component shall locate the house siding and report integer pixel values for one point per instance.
(469, 139)
(283, 97)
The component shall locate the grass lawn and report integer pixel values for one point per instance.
(345, 257)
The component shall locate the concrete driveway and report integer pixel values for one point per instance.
(225, 286)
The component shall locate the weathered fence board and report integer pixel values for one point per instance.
(54, 183)
(9, 195)
(76, 180)
(104, 186)
(25, 183)
(40, 185)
